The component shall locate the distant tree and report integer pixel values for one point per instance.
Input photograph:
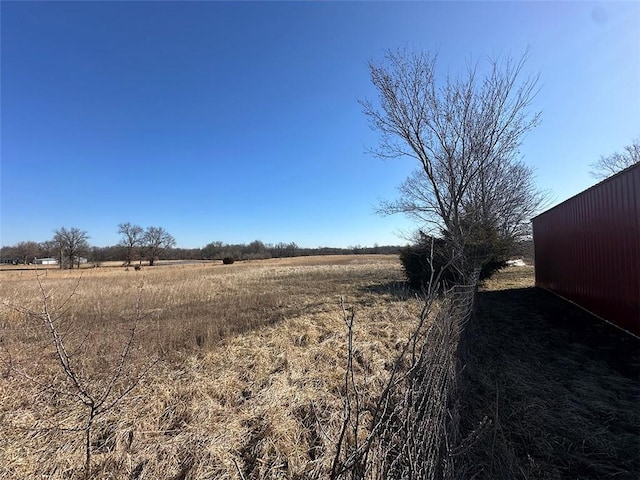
(184, 253)
(292, 248)
(131, 240)
(607, 166)
(279, 250)
(71, 243)
(465, 133)
(48, 248)
(256, 247)
(8, 254)
(27, 251)
(213, 250)
(57, 248)
(97, 256)
(255, 250)
(155, 240)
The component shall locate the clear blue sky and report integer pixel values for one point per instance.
(240, 121)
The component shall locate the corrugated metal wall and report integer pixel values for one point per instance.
(587, 249)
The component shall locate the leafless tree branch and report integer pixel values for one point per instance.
(466, 133)
(96, 396)
(612, 164)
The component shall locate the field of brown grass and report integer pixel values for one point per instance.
(248, 377)
(250, 373)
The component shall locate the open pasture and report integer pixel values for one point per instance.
(250, 370)
(249, 381)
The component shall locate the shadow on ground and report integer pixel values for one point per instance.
(560, 387)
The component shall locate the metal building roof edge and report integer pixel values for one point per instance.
(597, 185)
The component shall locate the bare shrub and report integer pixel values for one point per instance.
(411, 429)
(77, 370)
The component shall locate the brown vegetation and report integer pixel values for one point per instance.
(251, 373)
(254, 377)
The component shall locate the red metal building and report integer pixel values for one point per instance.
(587, 249)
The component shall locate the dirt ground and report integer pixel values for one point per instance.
(560, 387)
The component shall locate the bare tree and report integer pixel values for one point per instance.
(27, 251)
(280, 250)
(49, 248)
(71, 243)
(607, 166)
(131, 239)
(291, 249)
(213, 250)
(155, 240)
(95, 393)
(465, 132)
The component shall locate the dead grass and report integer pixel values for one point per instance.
(250, 384)
(250, 381)
(561, 388)
(509, 278)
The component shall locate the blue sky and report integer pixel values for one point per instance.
(240, 121)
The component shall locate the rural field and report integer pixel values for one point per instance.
(249, 375)
(240, 372)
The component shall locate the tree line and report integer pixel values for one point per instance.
(260, 250)
(70, 247)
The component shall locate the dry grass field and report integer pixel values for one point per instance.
(248, 362)
(250, 365)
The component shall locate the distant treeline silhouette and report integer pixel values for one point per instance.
(213, 251)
